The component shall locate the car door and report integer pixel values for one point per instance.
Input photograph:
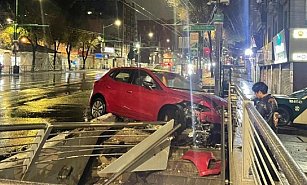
(117, 89)
(145, 97)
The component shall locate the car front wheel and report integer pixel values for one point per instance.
(284, 116)
(173, 113)
(98, 107)
(167, 115)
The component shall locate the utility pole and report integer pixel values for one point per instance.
(218, 21)
(123, 33)
(139, 57)
(15, 42)
(217, 70)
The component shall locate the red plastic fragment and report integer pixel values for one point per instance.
(202, 160)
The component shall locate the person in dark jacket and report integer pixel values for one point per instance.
(266, 104)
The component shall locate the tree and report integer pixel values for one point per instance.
(198, 11)
(6, 37)
(57, 22)
(33, 35)
(32, 19)
(71, 38)
(88, 42)
(233, 23)
(191, 11)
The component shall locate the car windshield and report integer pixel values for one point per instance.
(299, 94)
(173, 80)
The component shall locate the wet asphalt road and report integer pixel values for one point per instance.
(58, 97)
(46, 97)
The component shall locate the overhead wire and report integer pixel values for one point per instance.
(154, 20)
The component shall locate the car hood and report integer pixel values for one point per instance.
(198, 97)
(280, 96)
(218, 100)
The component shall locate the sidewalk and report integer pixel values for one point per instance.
(51, 71)
(245, 86)
(207, 80)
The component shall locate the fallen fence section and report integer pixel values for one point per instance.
(58, 153)
(150, 154)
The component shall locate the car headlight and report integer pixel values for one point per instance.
(196, 107)
(199, 107)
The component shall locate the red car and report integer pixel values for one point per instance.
(151, 95)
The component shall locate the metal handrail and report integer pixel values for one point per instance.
(26, 126)
(255, 125)
(292, 171)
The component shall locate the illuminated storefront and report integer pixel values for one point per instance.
(285, 62)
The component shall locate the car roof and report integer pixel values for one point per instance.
(146, 69)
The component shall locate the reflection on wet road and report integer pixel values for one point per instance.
(46, 97)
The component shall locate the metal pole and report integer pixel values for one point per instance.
(123, 34)
(223, 153)
(217, 71)
(15, 42)
(104, 40)
(139, 58)
(219, 34)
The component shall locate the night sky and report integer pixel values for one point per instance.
(159, 8)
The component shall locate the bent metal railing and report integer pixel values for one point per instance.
(47, 153)
(260, 148)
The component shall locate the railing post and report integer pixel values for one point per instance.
(246, 140)
(41, 140)
(230, 133)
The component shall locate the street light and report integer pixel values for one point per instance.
(9, 20)
(117, 23)
(248, 52)
(150, 34)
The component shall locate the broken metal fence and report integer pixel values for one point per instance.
(47, 152)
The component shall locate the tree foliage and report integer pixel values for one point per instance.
(71, 39)
(233, 23)
(191, 10)
(87, 43)
(199, 11)
(6, 37)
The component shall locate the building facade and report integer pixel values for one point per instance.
(280, 29)
(99, 16)
(158, 40)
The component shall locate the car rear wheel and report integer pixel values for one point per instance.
(98, 107)
(284, 116)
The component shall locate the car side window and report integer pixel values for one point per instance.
(143, 79)
(122, 76)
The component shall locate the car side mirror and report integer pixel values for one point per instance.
(149, 85)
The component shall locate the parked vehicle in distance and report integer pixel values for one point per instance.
(163, 66)
(152, 95)
(292, 108)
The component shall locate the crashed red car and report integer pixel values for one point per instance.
(151, 95)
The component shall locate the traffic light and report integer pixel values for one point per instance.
(206, 51)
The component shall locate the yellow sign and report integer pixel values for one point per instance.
(300, 33)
